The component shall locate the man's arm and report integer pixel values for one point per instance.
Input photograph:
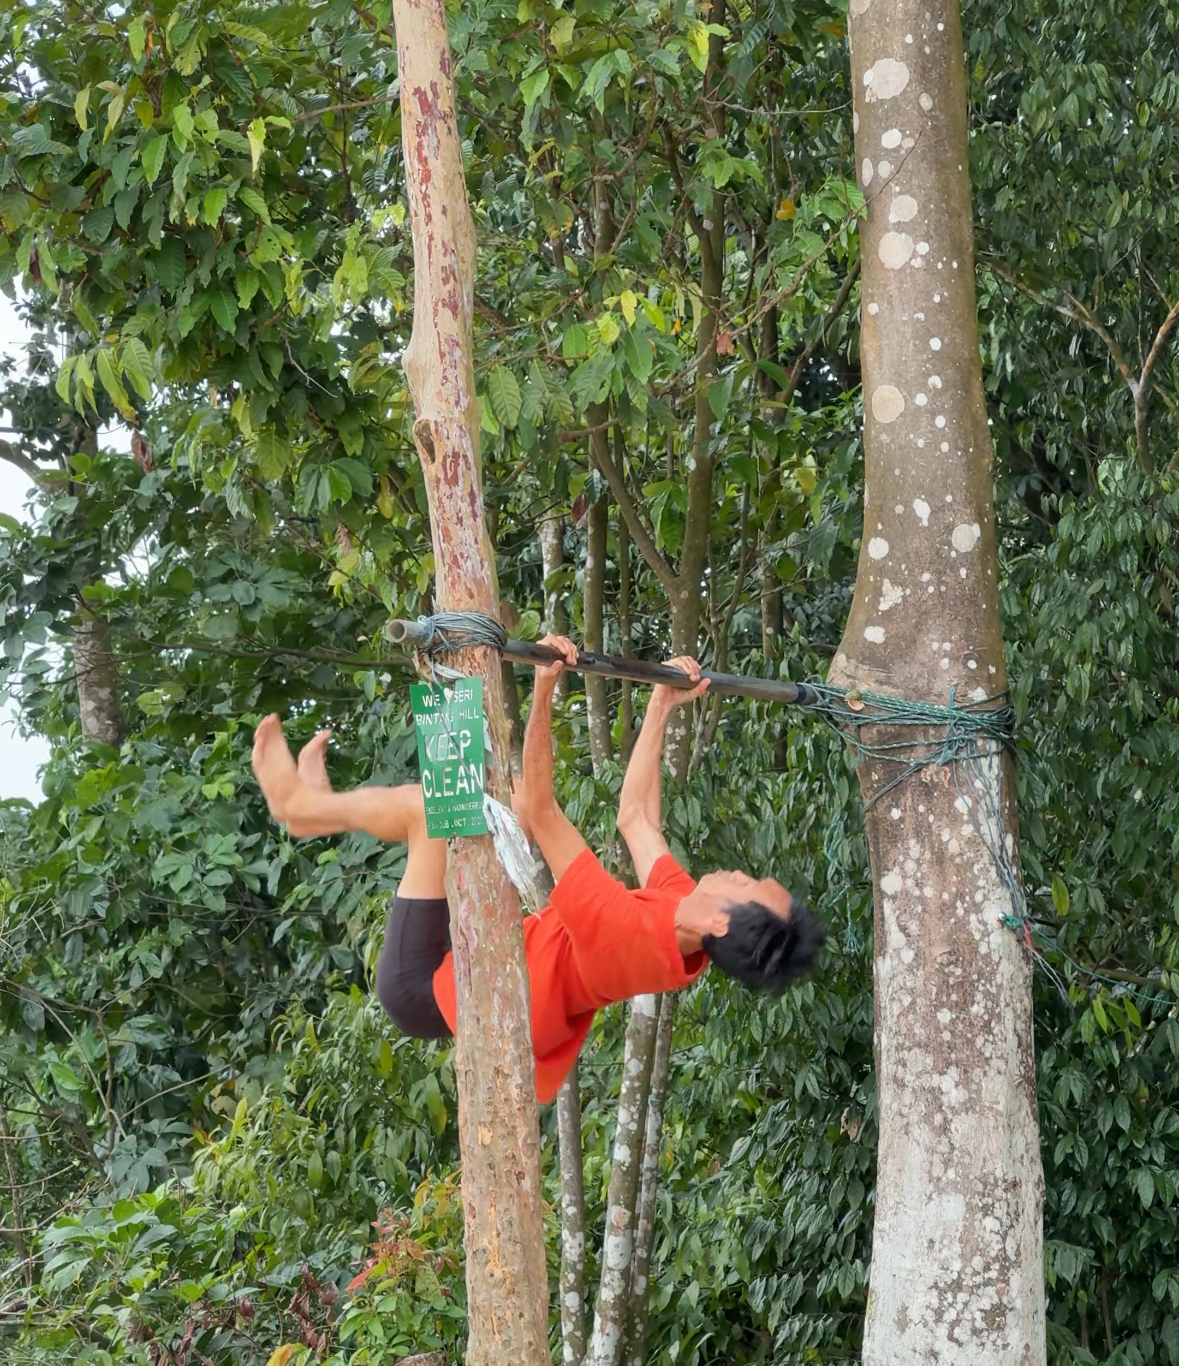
(640, 819)
(559, 839)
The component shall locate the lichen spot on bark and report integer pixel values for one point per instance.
(890, 139)
(885, 79)
(895, 249)
(965, 536)
(888, 403)
(877, 548)
(891, 594)
(874, 634)
(903, 209)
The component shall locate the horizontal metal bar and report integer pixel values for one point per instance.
(636, 670)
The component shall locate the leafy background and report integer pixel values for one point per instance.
(213, 1142)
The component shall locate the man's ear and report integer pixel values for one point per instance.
(719, 924)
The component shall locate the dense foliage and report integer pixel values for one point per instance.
(214, 1145)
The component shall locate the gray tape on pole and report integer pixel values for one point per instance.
(514, 853)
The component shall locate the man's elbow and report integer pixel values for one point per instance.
(631, 819)
(538, 814)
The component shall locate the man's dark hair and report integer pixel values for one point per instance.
(767, 952)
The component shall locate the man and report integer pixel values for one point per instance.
(596, 942)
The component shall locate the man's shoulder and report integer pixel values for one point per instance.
(669, 877)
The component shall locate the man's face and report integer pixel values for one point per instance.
(737, 888)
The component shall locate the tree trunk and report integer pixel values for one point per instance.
(499, 1134)
(571, 1288)
(552, 557)
(685, 604)
(14, 1186)
(613, 1304)
(97, 673)
(627, 738)
(640, 1287)
(594, 620)
(957, 1274)
(1141, 395)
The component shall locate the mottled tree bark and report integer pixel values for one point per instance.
(956, 1274)
(572, 1276)
(552, 557)
(97, 673)
(498, 1130)
(627, 738)
(640, 1287)
(510, 619)
(613, 1303)
(594, 618)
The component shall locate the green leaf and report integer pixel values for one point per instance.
(137, 365)
(220, 627)
(81, 103)
(719, 394)
(62, 383)
(1144, 1185)
(183, 123)
(152, 158)
(223, 306)
(1121, 1110)
(271, 454)
(65, 1077)
(33, 141)
(104, 362)
(533, 87)
(359, 476)
(504, 393)
(434, 1103)
(1059, 895)
(256, 134)
(171, 264)
(253, 201)
(137, 36)
(114, 112)
(246, 283)
(215, 202)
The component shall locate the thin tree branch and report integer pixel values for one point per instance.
(22, 462)
(347, 104)
(1160, 341)
(1078, 313)
(611, 471)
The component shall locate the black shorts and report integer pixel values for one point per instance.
(417, 938)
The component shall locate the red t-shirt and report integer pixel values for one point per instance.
(594, 943)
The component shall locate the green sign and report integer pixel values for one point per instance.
(449, 723)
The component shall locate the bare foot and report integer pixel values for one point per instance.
(313, 762)
(276, 772)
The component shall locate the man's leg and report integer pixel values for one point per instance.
(301, 797)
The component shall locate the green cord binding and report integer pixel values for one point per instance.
(962, 726)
